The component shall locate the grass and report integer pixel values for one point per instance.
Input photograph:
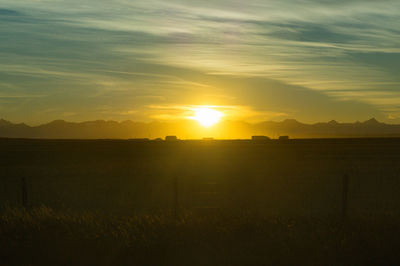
(42, 236)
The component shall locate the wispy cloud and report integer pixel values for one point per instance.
(137, 51)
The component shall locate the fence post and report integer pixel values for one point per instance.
(24, 191)
(176, 197)
(345, 192)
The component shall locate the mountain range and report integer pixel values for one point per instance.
(101, 129)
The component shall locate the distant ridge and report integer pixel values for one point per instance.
(372, 121)
(101, 129)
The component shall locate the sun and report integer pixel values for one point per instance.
(206, 116)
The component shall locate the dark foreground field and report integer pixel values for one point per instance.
(278, 178)
(46, 237)
(127, 202)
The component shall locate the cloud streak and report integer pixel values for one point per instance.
(145, 50)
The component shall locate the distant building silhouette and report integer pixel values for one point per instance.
(171, 138)
(259, 138)
(283, 137)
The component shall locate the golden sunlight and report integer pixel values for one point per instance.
(206, 116)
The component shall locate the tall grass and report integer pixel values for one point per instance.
(42, 236)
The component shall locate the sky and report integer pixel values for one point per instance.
(152, 60)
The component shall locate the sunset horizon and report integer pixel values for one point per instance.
(198, 127)
(143, 61)
(204, 133)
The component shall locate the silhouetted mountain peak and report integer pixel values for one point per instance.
(132, 129)
(57, 122)
(131, 123)
(372, 121)
(290, 122)
(4, 123)
(127, 122)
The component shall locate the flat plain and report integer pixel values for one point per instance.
(208, 202)
(294, 177)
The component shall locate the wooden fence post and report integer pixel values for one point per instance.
(345, 192)
(24, 193)
(176, 197)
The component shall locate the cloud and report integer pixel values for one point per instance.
(8, 12)
(120, 53)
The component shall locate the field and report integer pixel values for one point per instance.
(46, 237)
(199, 202)
(295, 177)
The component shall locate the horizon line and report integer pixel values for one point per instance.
(189, 121)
